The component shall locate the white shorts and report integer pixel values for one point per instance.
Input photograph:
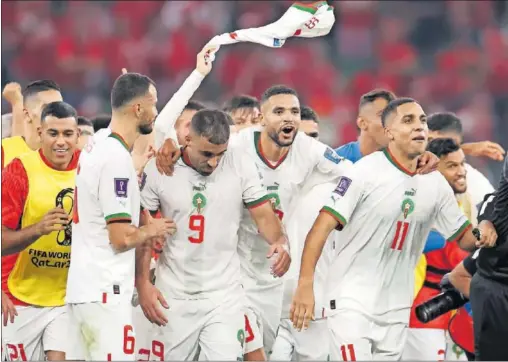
(214, 331)
(454, 352)
(36, 330)
(425, 344)
(355, 337)
(105, 330)
(308, 345)
(263, 315)
(143, 328)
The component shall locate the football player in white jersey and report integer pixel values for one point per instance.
(105, 226)
(385, 211)
(286, 159)
(448, 125)
(309, 345)
(198, 273)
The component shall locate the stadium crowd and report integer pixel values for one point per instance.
(235, 232)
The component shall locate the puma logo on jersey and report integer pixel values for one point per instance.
(411, 192)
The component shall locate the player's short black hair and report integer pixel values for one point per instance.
(101, 121)
(59, 110)
(442, 146)
(194, 106)
(240, 101)
(83, 121)
(214, 125)
(374, 94)
(276, 90)
(392, 107)
(445, 122)
(39, 86)
(308, 114)
(127, 87)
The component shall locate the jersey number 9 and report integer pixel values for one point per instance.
(197, 224)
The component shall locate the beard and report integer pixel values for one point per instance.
(274, 135)
(145, 129)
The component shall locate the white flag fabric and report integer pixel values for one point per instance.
(301, 20)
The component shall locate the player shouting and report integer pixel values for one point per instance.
(198, 272)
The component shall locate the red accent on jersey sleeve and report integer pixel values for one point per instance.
(14, 193)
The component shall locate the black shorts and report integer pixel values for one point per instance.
(489, 303)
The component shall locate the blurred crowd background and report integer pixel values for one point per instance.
(449, 55)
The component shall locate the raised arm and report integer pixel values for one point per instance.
(166, 140)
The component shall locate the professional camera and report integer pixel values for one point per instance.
(449, 300)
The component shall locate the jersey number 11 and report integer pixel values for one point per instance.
(400, 235)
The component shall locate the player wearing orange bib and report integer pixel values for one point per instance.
(37, 198)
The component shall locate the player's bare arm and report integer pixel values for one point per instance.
(124, 236)
(8, 310)
(460, 279)
(13, 241)
(486, 238)
(169, 152)
(12, 93)
(272, 230)
(427, 163)
(149, 296)
(302, 307)
(484, 149)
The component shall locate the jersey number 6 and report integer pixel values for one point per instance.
(197, 224)
(400, 235)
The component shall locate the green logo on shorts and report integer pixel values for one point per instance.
(407, 207)
(240, 336)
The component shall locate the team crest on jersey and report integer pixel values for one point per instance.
(407, 207)
(199, 201)
(343, 185)
(332, 155)
(121, 187)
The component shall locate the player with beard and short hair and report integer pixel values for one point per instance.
(385, 211)
(198, 272)
(427, 341)
(286, 159)
(105, 225)
(448, 125)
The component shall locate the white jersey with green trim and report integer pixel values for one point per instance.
(283, 181)
(106, 191)
(201, 259)
(388, 213)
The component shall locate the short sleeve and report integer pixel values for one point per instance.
(114, 195)
(149, 187)
(347, 195)
(449, 220)
(326, 161)
(14, 193)
(253, 190)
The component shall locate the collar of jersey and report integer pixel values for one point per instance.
(259, 151)
(120, 139)
(185, 158)
(396, 163)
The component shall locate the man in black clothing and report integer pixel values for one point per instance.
(489, 286)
